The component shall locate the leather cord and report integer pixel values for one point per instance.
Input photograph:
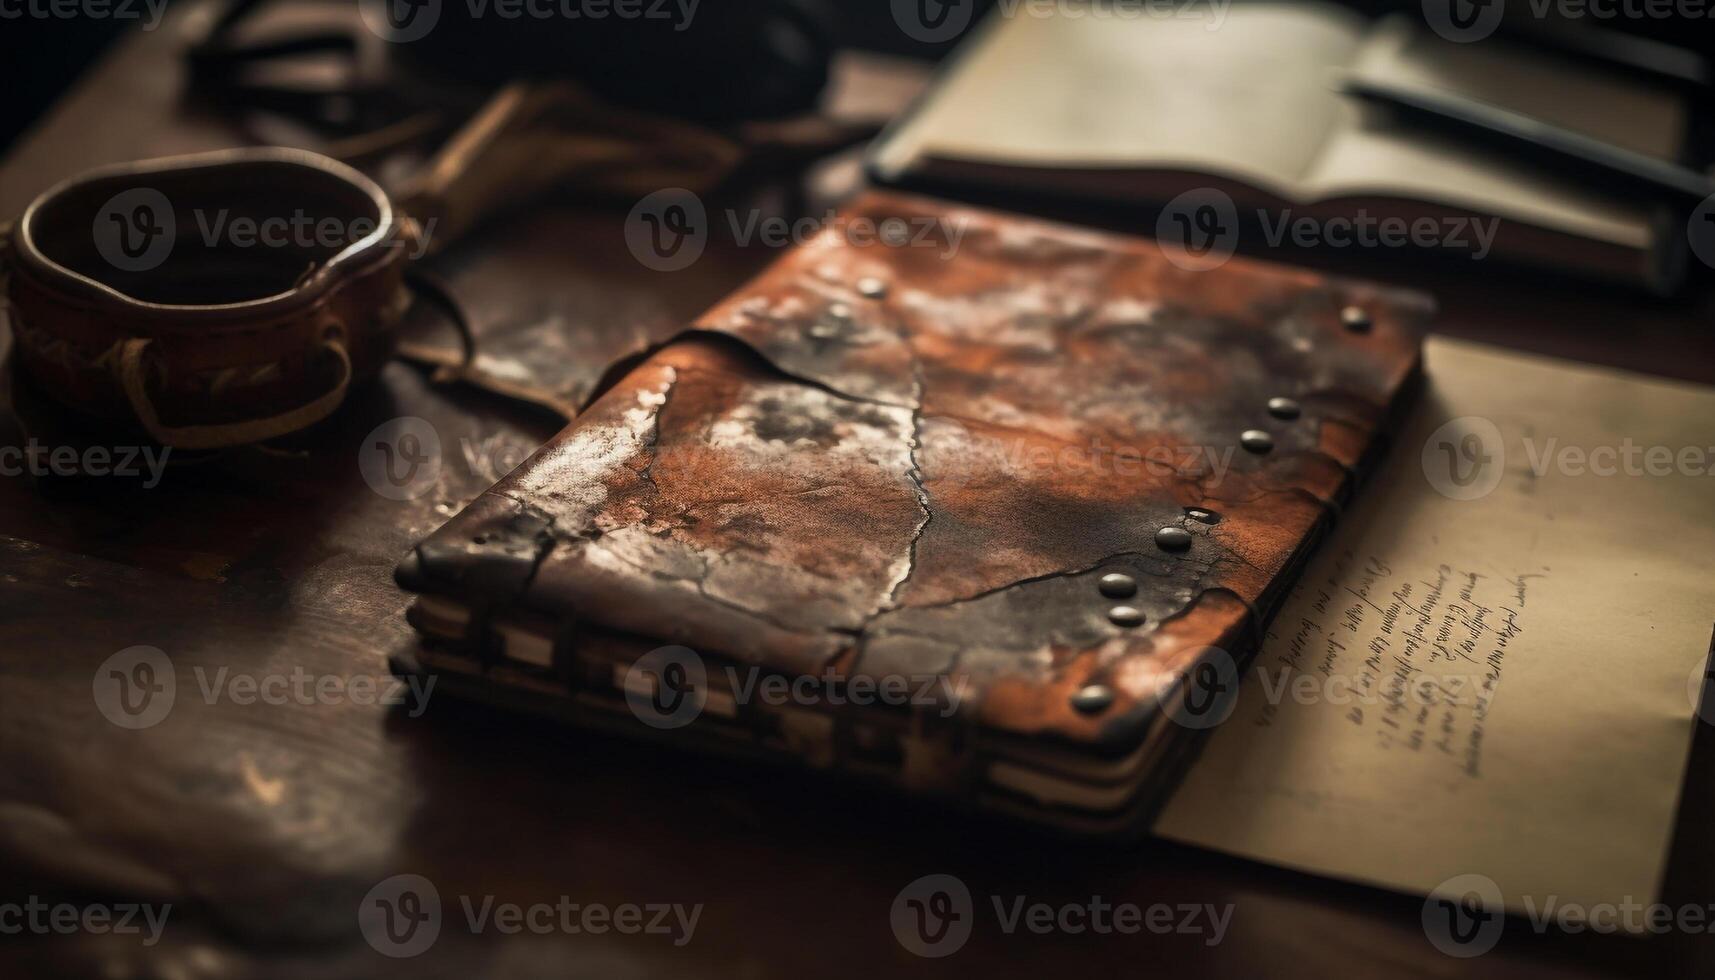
(133, 376)
(429, 286)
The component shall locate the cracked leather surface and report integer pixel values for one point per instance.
(876, 460)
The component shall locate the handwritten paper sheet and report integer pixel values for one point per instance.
(1492, 665)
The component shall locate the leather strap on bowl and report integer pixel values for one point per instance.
(133, 375)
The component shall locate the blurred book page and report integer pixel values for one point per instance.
(1248, 95)
(1384, 156)
(1492, 666)
(1243, 98)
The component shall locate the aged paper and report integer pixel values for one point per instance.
(1492, 665)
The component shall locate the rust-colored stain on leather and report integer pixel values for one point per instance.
(929, 477)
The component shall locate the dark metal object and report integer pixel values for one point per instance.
(1256, 441)
(1173, 538)
(1093, 699)
(1283, 408)
(1116, 585)
(1127, 616)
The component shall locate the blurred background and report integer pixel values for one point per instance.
(40, 57)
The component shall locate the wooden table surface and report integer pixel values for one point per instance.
(265, 825)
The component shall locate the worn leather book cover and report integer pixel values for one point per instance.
(986, 507)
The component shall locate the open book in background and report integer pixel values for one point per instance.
(1137, 110)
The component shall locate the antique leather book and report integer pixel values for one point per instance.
(966, 509)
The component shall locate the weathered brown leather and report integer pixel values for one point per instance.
(931, 481)
(234, 333)
(284, 562)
